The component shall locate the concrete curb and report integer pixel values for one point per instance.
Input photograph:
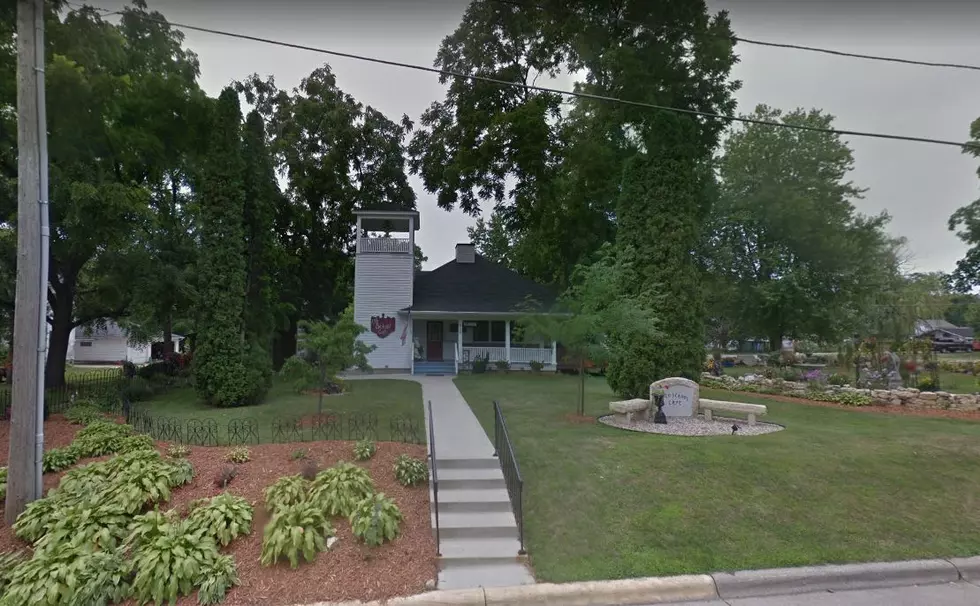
(785, 581)
(719, 585)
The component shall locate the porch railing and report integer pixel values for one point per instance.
(518, 354)
(503, 449)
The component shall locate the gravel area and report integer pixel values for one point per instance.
(348, 571)
(692, 426)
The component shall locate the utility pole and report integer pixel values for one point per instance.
(30, 309)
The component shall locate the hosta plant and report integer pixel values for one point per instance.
(86, 523)
(340, 488)
(8, 561)
(239, 454)
(57, 459)
(3, 482)
(286, 491)
(375, 520)
(216, 580)
(69, 577)
(410, 471)
(294, 531)
(147, 527)
(178, 451)
(136, 442)
(223, 518)
(364, 450)
(100, 438)
(172, 564)
(33, 522)
(83, 414)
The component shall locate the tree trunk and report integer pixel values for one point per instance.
(54, 370)
(168, 335)
(581, 386)
(775, 340)
(284, 345)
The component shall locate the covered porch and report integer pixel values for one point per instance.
(457, 341)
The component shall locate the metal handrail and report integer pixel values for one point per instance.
(503, 449)
(456, 357)
(435, 477)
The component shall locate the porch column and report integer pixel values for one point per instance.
(507, 338)
(459, 337)
(554, 353)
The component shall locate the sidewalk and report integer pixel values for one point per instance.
(950, 594)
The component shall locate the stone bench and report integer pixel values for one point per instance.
(752, 410)
(631, 407)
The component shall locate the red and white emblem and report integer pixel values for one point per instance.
(382, 325)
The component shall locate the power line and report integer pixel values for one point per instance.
(734, 38)
(545, 89)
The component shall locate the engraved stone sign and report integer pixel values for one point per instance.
(680, 396)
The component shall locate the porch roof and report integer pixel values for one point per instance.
(478, 287)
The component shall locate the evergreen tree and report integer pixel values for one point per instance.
(222, 375)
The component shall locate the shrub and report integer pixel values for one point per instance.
(83, 414)
(375, 520)
(171, 564)
(299, 373)
(299, 453)
(789, 374)
(480, 364)
(536, 366)
(296, 530)
(239, 454)
(66, 576)
(410, 471)
(216, 580)
(137, 389)
(225, 476)
(927, 384)
(502, 365)
(178, 451)
(340, 488)
(285, 492)
(223, 518)
(57, 459)
(100, 438)
(838, 379)
(364, 450)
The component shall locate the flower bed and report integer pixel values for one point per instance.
(844, 394)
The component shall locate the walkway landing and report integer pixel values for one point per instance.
(478, 534)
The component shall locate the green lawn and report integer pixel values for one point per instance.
(386, 398)
(835, 486)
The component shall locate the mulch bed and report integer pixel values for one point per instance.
(349, 571)
(879, 408)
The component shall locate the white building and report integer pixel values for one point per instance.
(436, 321)
(108, 345)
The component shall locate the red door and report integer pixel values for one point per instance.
(433, 342)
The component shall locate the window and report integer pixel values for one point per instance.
(85, 344)
(481, 332)
(498, 331)
(453, 327)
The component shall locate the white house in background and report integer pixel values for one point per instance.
(108, 345)
(434, 322)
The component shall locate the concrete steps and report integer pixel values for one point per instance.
(434, 368)
(478, 533)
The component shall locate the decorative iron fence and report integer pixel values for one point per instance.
(503, 449)
(435, 476)
(328, 425)
(96, 384)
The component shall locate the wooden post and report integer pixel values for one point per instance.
(22, 485)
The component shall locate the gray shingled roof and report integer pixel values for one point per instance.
(482, 286)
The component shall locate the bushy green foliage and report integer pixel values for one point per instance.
(838, 379)
(135, 442)
(101, 438)
(239, 454)
(3, 482)
(223, 518)
(8, 561)
(171, 564)
(178, 451)
(375, 520)
(83, 414)
(137, 389)
(285, 492)
(299, 453)
(340, 488)
(68, 577)
(844, 398)
(88, 522)
(364, 450)
(146, 528)
(32, 523)
(216, 580)
(299, 373)
(57, 459)
(297, 530)
(410, 471)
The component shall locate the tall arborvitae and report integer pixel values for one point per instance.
(261, 196)
(221, 371)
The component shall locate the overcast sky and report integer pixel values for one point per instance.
(919, 185)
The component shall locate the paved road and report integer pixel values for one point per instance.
(952, 594)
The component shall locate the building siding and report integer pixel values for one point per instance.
(383, 285)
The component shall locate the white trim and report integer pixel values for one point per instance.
(480, 315)
(554, 352)
(507, 338)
